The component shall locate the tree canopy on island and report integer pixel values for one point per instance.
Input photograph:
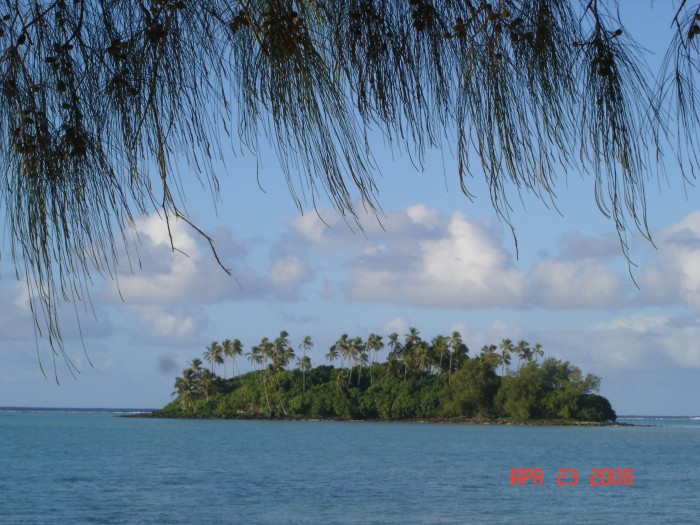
(105, 103)
(435, 380)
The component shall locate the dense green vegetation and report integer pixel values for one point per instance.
(419, 380)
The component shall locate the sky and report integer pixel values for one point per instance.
(433, 259)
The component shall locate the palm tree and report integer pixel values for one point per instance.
(341, 348)
(506, 347)
(373, 344)
(306, 344)
(332, 354)
(537, 351)
(394, 344)
(214, 354)
(226, 352)
(524, 352)
(412, 351)
(257, 355)
(277, 355)
(440, 346)
(184, 388)
(196, 366)
(267, 350)
(411, 337)
(236, 352)
(354, 350)
(488, 354)
(362, 360)
(392, 365)
(304, 364)
(283, 352)
(454, 343)
(421, 357)
(412, 341)
(207, 384)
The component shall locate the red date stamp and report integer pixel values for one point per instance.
(569, 477)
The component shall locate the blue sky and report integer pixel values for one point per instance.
(440, 263)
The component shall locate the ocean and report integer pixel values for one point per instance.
(68, 467)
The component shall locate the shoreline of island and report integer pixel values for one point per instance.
(160, 414)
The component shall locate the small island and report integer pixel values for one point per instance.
(419, 381)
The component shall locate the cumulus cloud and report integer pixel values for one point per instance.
(77, 319)
(683, 346)
(398, 324)
(430, 259)
(159, 296)
(289, 270)
(636, 323)
(191, 275)
(632, 342)
(166, 276)
(311, 226)
(675, 275)
(576, 284)
(422, 257)
(577, 246)
(447, 261)
(172, 326)
(421, 214)
(15, 312)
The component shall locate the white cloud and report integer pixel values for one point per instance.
(398, 325)
(310, 225)
(21, 298)
(15, 311)
(678, 264)
(576, 284)
(457, 264)
(658, 286)
(502, 329)
(636, 323)
(421, 214)
(620, 351)
(643, 341)
(425, 258)
(378, 249)
(462, 328)
(191, 275)
(684, 347)
(577, 246)
(172, 326)
(289, 270)
(167, 276)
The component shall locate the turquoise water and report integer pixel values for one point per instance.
(97, 468)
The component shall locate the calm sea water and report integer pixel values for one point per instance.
(97, 468)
